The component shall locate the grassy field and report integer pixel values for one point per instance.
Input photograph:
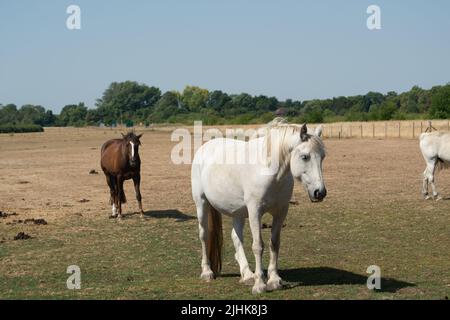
(373, 215)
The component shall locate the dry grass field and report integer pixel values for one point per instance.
(373, 215)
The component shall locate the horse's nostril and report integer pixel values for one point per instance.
(316, 193)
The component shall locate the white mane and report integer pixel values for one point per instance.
(287, 138)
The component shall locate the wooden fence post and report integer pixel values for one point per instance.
(414, 128)
(399, 132)
(385, 130)
(361, 130)
(373, 130)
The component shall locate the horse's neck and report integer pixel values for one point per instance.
(123, 149)
(282, 154)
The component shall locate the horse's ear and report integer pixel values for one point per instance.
(304, 133)
(318, 131)
(140, 135)
(123, 136)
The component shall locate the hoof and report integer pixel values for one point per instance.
(428, 197)
(248, 281)
(259, 288)
(274, 284)
(207, 276)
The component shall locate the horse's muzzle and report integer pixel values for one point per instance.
(319, 195)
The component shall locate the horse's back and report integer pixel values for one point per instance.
(109, 143)
(435, 144)
(109, 154)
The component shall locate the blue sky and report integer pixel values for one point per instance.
(289, 49)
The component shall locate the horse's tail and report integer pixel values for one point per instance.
(123, 199)
(442, 164)
(215, 240)
(120, 193)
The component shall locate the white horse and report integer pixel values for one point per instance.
(435, 147)
(248, 190)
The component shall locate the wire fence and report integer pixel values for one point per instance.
(383, 130)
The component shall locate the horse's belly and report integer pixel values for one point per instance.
(223, 190)
(226, 207)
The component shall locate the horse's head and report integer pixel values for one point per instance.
(306, 163)
(132, 143)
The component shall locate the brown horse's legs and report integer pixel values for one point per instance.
(137, 188)
(120, 196)
(111, 183)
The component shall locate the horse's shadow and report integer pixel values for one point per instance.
(330, 276)
(323, 276)
(177, 215)
(168, 214)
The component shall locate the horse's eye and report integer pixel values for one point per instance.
(305, 157)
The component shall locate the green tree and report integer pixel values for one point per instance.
(194, 98)
(31, 114)
(440, 103)
(126, 100)
(73, 115)
(8, 114)
(218, 101)
(169, 105)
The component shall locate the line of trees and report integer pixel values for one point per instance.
(134, 103)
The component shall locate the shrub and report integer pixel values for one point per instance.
(20, 128)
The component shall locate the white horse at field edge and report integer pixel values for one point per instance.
(242, 190)
(435, 147)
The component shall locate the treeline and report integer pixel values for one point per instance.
(132, 103)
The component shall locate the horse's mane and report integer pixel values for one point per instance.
(131, 135)
(285, 134)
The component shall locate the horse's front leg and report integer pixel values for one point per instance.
(274, 282)
(137, 188)
(254, 216)
(237, 235)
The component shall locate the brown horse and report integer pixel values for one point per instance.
(120, 161)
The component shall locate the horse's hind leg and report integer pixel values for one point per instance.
(203, 208)
(111, 183)
(429, 179)
(237, 235)
(120, 196)
(137, 188)
(425, 186)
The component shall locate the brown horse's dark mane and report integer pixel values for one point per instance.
(131, 136)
